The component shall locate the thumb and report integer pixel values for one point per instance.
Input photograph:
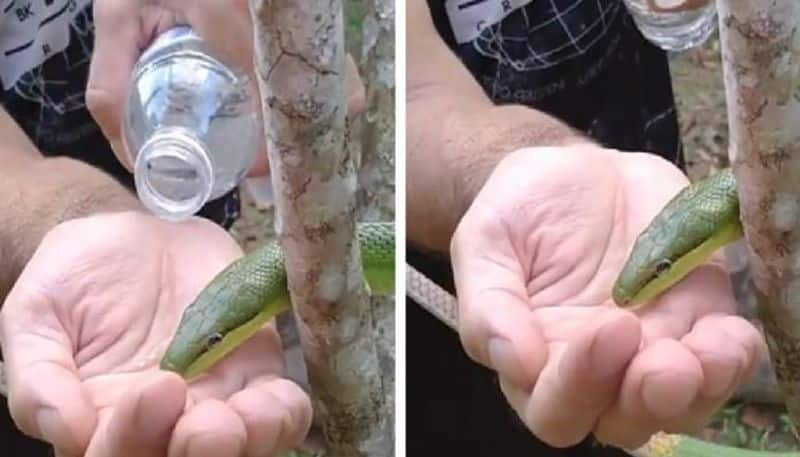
(496, 325)
(122, 31)
(46, 398)
(142, 419)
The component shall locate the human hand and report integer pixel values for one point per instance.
(535, 258)
(124, 29)
(87, 322)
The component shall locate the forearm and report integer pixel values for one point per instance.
(37, 193)
(455, 134)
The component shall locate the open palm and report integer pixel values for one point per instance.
(535, 259)
(84, 329)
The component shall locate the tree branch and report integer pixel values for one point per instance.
(300, 62)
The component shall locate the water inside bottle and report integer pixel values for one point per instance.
(678, 29)
(173, 179)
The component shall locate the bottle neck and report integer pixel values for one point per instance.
(173, 174)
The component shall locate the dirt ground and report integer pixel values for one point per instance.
(700, 97)
(254, 226)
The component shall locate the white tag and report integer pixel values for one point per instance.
(31, 31)
(469, 17)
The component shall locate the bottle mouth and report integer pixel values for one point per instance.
(173, 175)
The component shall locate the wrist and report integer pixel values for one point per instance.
(44, 192)
(540, 171)
(452, 155)
(521, 134)
(83, 190)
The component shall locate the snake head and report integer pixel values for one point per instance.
(640, 272)
(210, 330)
(232, 308)
(692, 226)
(197, 336)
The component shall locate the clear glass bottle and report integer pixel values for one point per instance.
(191, 125)
(674, 25)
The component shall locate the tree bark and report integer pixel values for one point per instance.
(300, 64)
(761, 59)
(376, 178)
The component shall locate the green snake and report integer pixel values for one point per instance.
(251, 291)
(667, 445)
(699, 220)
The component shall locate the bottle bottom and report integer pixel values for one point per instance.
(173, 176)
(677, 31)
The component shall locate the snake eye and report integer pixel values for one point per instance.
(213, 340)
(663, 266)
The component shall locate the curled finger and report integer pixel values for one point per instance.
(210, 428)
(276, 414)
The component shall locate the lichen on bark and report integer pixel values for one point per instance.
(376, 177)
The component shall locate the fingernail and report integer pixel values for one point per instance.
(158, 421)
(727, 377)
(668, 395)
(148, 419)
(501, 354)
(605, 353)
(213, 444)
(47, 420)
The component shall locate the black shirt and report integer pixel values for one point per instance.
(585, 62)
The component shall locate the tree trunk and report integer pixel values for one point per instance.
(376, 176)
(300, 62)
(761, 57)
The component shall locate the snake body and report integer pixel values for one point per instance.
(669, 445)
(252, 290)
